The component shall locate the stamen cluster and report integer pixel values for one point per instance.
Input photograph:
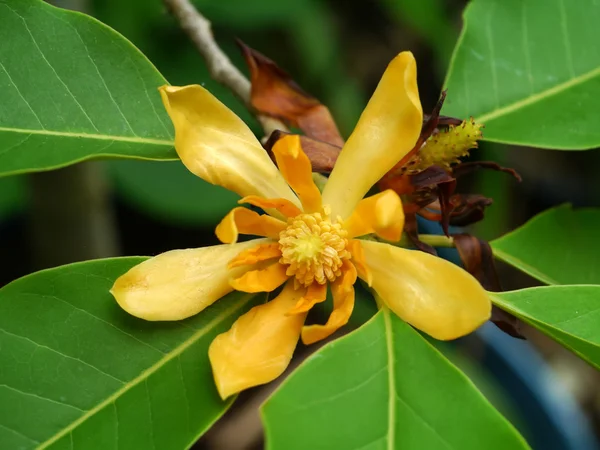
(313, 248)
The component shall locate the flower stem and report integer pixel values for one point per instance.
(436, 240)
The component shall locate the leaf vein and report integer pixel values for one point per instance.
(31, 394)
(84, 135)
(110, 96)
(19, 433)
(103, 321)
(21, 94)
(151, 370)
(52, 68)
(63, 355)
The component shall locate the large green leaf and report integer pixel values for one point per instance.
(558, 246)
(74, 89)
(381, 387)
(78, 372)
(529, 70)
(568, 314)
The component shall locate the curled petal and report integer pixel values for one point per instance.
(316, 293)
(381, 214)
(245, 221)
(261, 280)
(297, 171)
(178, 284)
(428, 292)
(343, 304)
(256, 254)
(387, 130)
(285, 207)
(217, 146)
(358, 259)
(259, 345)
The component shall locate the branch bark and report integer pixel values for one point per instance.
(220, 67)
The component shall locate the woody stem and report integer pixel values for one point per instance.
(222, 70)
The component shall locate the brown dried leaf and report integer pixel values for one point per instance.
(275, 93)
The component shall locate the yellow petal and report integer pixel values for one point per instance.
(256, 254)
(358, 259)
(381, 214)
(285, 207)
(428, 292)
(180, 283)
(217, 146)
(316, 293)
(245, 221)
(259, 345)
(297, 170)
(386, 131)
(343, 304)
(261, 280)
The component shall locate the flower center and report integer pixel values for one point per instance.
(313, 248)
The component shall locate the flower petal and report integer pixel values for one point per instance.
(343, 304)
(256, 254)
(261, 280)
(218, 146)
(316, 293)
(180, 283)
(381, 214)
(297, 171)
(245, 221)
(358, 259)
(387, 129)
(259, 346)
(284, 206)
(428, 292)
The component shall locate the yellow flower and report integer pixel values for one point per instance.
(309, 240)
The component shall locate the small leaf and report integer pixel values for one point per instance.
(383, 386)
(74, 89)
(526, 69)
(568, 314)
(85, 374)
(558, 246)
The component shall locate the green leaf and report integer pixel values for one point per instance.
(568, 314)
(80, 373)
(558, 246)
(528, 70)
(383, 386)
(74, 89)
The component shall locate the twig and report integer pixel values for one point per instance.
(221, 69)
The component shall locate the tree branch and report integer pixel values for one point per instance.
(221, 69)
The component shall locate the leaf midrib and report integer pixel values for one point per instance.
(83, 135)
(150, 370)
(391, 381)
(535, 98)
